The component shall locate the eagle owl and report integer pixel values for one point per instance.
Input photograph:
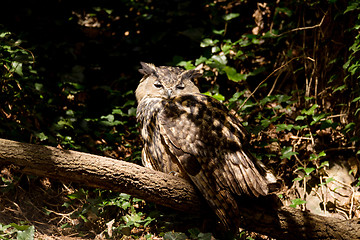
(194, 136)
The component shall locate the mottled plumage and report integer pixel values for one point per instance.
(194, 136)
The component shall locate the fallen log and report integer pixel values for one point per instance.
(170, 191)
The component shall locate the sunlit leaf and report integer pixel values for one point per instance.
(300, 118)
(287, 152)
(27, 234)
(233, 75)
(310, 111)
(19, 227)
(230, 16)
(296, 202)
(208, 42)
(317, 118)
(283, 126)
(175, 236)
(330, 179)
(309, 170)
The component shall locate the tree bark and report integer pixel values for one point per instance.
(170, 191)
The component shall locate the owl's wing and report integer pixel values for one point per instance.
(208, 143)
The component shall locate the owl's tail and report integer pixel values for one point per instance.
(220, 200)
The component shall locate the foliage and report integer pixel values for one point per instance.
(21, 232)
(288, 69)
(102, 206)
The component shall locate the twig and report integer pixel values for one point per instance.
(340, 148)
(32, 55)
(273, 72)
(273, 86)
(337, 115)
(300, 28)
(299, 138)
(324, 194)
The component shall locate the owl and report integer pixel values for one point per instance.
(193, 136)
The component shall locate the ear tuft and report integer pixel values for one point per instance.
(191, 74)
(147, 68)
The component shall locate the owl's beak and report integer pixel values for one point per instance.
(169, 93)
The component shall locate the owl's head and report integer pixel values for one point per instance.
(165, 82)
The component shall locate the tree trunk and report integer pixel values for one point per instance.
(167, 190)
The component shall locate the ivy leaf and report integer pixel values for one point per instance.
(283, 126)
(298, 179)
(230, 16)
(208, 42)
(27, 234)
(317, 118)
(309, 170)
(317, 156)
(300, 118)
(330, 179)
(219, 59)
(175, 236)
(349, 127)
(287, 152)
(310, 111)
(296, 202)
(356, 99)
(233, 75)
(19, 227)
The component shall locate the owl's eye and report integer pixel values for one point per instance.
(181, 86)
(158, 85)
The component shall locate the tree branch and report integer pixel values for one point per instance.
(167, 190)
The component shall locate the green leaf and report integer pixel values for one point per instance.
(352, 6)
(349, 127)
(19, 227)
(226, 48)
(230, 16)
(287, 152)
(219, 32)
(265, 123)
(186, 64)
(300, 118)
(200, 60)
(310, 111)
(340, 88)
(218, 97)
(125, 205)
(4, 227)
(298, 179)
(317, 156)
(17, 66)
(76, 195)
(175, 236)
(309, 170)
(233, 75)
(208, 42)
(283, 126)
(220, 60)
(27, 234)
(296, 202)
(330, 179)
(317, 118)
(356, 99)
(41, 136)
